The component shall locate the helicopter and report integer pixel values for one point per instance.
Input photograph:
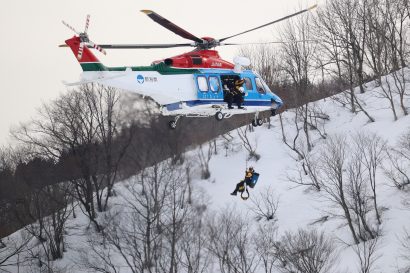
(192, 84)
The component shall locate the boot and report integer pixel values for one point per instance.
(234, 193)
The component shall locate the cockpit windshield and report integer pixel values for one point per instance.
(267, 89)
(262, 87)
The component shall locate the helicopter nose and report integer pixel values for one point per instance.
(276, 104)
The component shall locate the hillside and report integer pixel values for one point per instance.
(298, 206)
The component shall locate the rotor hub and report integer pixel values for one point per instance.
(84, 37)
(207, 43)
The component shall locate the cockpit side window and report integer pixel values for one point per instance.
(260, 86)
(248, 83)
(202, 84)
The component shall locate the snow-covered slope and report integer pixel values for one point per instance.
(299, 206)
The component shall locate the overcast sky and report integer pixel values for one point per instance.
(33, 66)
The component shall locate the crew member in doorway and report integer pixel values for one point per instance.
(238, 93)
(228, 95)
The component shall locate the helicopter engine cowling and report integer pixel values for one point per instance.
(198, 59)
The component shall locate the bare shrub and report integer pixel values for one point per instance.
(265, 204)
(305, 251)
(398, 166)
(12, 247)
(230, 242)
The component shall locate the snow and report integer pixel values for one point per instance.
(299, 206)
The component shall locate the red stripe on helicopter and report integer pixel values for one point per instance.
(87, 56)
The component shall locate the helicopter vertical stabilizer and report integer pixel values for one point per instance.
(88, 61)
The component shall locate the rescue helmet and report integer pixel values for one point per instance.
(250, 169)
(239, 82)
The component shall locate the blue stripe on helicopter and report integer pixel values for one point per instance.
(192, 103)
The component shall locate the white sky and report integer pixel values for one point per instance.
(33, 66)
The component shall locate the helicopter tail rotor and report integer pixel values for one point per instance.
(85, 41)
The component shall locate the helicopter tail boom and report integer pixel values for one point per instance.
(88, 60)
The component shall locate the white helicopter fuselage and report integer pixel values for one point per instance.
(198, 92)
(163, 89)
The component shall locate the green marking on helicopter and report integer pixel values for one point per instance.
(160, 68)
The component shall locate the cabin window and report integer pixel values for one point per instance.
(214, 84)
(260, 86)
(248, 83)
(202, 84)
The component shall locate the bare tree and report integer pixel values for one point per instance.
(173, 220)
(345, 181)
(145, 233)
(372, 149)
(367, 255)
(248, 144)
(386, 48)
(332, 166)
(205, 158)
(297, 56)
(307, 171)
(294, 145)
(194, 255)
(51, 232)
(265, 244)
(229, 144)
(230, 243)
(265, 60)
(359, 198)
(405, 251)
(78, 129)
(305, 251)
(342, 30)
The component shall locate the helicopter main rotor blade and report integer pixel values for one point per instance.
(267, 43)
(270, 23)
(70, 27)
(143, 46)
(136, 46)
(87, 23)
(171, 26)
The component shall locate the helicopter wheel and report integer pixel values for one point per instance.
(254, 123)
(273, 112)
(219, 116)
(259, 122)
(172, 124)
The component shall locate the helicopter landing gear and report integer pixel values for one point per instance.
(273, 112)
(257, 121)
(173, 123)
(219, 116)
